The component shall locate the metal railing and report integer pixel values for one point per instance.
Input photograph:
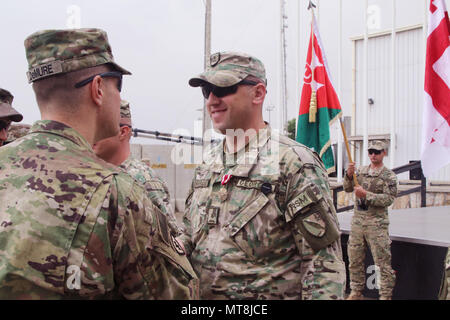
(167, 137)
(413, 165)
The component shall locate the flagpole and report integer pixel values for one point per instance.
(313, 103)
(344, 134)
(339, 142)
(298, 62)
(348, 149)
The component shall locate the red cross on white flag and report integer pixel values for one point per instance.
(436, 112)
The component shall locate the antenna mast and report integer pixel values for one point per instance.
(283, 87)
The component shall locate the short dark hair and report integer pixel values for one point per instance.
(61, 87)
(255, 79)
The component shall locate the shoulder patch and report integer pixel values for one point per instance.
(315, 224)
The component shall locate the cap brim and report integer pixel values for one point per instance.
(120, 69)
(197, 82)
(6, 111)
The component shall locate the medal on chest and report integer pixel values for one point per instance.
(225, 179)
(223, 194)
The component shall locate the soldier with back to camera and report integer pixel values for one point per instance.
(73, 225)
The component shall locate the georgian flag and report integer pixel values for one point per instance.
(436, 112)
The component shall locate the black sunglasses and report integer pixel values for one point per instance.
(114, 74)
(371, 151)
(221, 92)
(4, 124)
(124, 125)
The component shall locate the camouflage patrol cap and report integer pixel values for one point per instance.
(377, 145)
(50, 52)
(125, 114)
(6, 96)
(8, 112)
(6, 109)
(228, 68)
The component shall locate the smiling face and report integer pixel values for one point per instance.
(232, 111)
(238, 109)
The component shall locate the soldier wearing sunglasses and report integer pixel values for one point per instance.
(7, 114)
(370, 223)
(259, 220)
(73, 225)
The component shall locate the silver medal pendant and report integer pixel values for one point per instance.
(223, 194)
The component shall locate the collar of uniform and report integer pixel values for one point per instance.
(212, 157)
(375, 172)
(60, 129)
(126, 163)
(246, 157)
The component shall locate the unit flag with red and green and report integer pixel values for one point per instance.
(319, 103)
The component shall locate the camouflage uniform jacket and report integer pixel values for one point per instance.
(444, 293)
(271, 231)
(155, 186)
(381, 187)
(73, 226)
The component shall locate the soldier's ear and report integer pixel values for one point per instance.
(97, 90)
(259, 93)
(125, 133)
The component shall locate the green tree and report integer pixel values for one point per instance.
(291, 129)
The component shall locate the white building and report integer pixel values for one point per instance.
(395, 78)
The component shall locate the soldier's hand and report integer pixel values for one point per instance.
(360, 192)
(350, 170)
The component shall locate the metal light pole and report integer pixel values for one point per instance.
(283, 86)
(206, 118)
(269, 109)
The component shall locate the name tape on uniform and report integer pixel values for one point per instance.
(299, 202)
(44, 70)
(249, 184)
(201, 183)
